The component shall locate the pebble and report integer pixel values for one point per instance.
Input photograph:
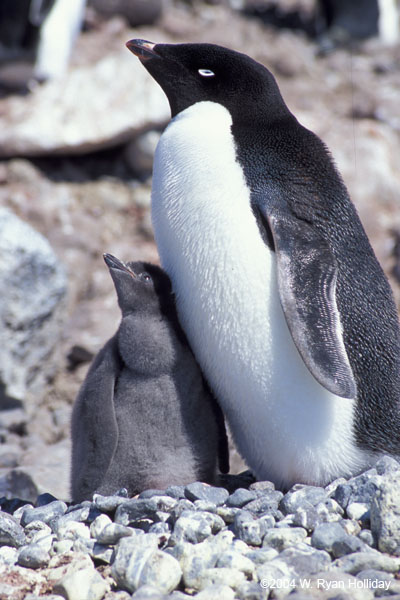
(385, 514)
(326, 534)
(112, 533)
(300, 496)
(196, 527)
(162, 571)
(284, 538)
(235, 560)
(84, 584)
(43, 513)
(359, 561)
(240, 497)
(11, 532)
(209, 493)
(247, 528)
(33, 556)
(267, 503)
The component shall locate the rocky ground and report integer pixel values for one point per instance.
(75, 179)
(245, 540)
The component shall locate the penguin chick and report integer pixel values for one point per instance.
(144, 417)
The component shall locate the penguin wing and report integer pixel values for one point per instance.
(307, 275)
(94, 424)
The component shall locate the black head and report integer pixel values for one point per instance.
(140, 286)
(190, 73)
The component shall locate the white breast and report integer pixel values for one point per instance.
(287, 426)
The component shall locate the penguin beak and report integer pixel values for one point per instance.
(114, 263)
(143, 49)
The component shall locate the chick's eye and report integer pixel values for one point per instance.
(145, 277)
(206, 73)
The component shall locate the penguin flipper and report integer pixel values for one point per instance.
(307, 275)
(94, 426)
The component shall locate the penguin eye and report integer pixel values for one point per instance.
(206, 73)
(145, 277)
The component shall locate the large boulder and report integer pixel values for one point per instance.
(92, 107)
(32, 309)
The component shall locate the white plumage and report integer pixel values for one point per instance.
(288, 426)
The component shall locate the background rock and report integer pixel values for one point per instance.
(32, 309)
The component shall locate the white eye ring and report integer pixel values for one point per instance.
(206, 73)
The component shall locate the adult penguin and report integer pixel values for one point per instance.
(277, 287)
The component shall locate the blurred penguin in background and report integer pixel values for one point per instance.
(36, 39)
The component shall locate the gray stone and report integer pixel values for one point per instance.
(261, 486)
(359, 511)
(358, 489)
(131, 556)
(228, 514)
(62, 546)
(234, 560)
(148, 592)
(45, 513)
(385, 514)
(181, 506)
(36, 529)
(40, 597)
(267, 503)
(304, 560)
(108, 503)
(112, 533)
(98, 525)
(195, 559)
(84, 584)
(8, 555)
(261, 556)
(176, 491)
(84, 545)
(17, 483)
(250, 591)
(347, 546)
(359, 561)
(221, 576)
(326, 534)
(284, 538)
(351, 527)
(301, 496)
(133, 510)
(336, 585)
(72, 530)
(80, 515)
(162, 571)
(240, 497)
(160, 529)
(11, 532)
(33, 556)
(383, 583)
(209, 493)
(195, 527)
(247, 528)
(367, 537)
(32, 307)
(44, 499)
(102, 553)
(205, 505)
(307, 517)
(211, 592)
(387, 464)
